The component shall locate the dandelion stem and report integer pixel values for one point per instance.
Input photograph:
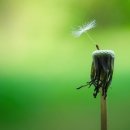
(97, 47)
(103, 112)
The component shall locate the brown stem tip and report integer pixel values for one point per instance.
(97, 47)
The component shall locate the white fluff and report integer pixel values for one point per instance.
(100, 52)
(84, 28)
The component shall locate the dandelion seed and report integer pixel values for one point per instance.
(84, 28)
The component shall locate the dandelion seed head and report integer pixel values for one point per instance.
(84, 28)
(104, 52)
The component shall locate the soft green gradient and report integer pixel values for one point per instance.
(41, 64)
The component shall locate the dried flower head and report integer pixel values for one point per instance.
(101, 71)
(84, 28)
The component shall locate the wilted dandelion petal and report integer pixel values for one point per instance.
(84, 28)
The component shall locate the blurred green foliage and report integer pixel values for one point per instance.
(41, 64)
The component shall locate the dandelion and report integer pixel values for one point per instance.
(101, 72)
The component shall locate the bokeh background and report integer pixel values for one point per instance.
(41, 64)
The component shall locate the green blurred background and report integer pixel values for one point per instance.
(41, 64)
